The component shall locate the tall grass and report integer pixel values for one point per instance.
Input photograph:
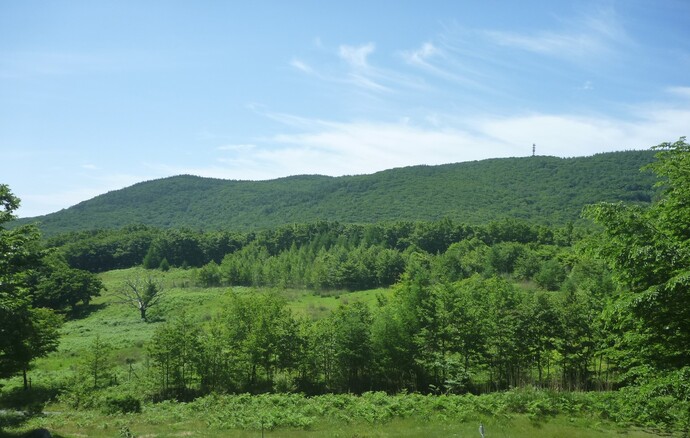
(518, 413)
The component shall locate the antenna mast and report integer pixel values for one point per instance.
(534, 149)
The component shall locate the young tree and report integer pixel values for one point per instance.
(143, 294)
(318, 364)
(96, 363)
(352, 324)
(260, 339)
(172, 350)
(209, 275)
(393, 346)
(33, 333)
(540, 328)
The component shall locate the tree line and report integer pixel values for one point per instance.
(479, 334)
(321, 255)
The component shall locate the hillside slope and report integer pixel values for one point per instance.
(542, 189)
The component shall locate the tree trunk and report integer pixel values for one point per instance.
(26, 381)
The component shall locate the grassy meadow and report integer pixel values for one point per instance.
(119, 324)
(514, 414)
(93, 425)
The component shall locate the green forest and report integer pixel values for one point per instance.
(540, 189)
(565, 316)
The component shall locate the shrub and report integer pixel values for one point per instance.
(121, 404)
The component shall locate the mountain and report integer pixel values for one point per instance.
(541, 189)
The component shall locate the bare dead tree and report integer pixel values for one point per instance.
(141, 294)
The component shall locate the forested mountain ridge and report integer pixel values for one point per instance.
(542, 189)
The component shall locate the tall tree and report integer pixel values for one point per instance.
(259, 335)
(62, 286)
(649, 251)
(353, 345)
(25, 332)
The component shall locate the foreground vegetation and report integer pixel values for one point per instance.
(320, 327)
(516, 413)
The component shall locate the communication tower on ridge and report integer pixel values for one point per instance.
(534, 149)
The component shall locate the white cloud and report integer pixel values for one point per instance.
(361, 74)
(568, 135)
(362, 81)
(68, 193)
(434, 60)
(336, 148)
(299, 65)
(356, 70)
(548, 43)
(594, 35)
(236, 147)
(420, 56)
(679, 91)
(356, 57)
(365, 147)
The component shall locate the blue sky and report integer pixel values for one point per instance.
(98, 95)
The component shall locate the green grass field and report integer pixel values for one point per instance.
(372, 415)
(119, 324)
(151, 424)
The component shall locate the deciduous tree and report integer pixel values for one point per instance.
(648, 250)
(143, 294)
(25, 332)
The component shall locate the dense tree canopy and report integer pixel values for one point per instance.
(538, 189)
(649, 250)
(26, 332)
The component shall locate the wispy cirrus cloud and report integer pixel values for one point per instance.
(593, 35)
(302, 66)
(356, 56)
(421, 56)
(683, 92)
(360, 72)
(236, 147)
(357, 70)
(434, 60)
